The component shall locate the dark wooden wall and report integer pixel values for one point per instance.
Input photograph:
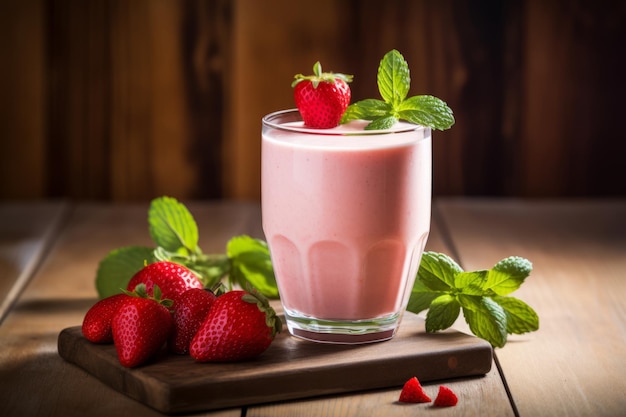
(131, 99)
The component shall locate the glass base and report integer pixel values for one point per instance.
(342, 331)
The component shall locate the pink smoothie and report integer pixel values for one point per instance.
(346, 217)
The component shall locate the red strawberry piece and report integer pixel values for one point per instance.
(97, 322)
(412, 392)
(173, 279)
(141, 327)
(445, 397)
(322, 98)
(189, 313)
(240, 325)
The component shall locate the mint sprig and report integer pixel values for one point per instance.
(394, 82)
(175, 234)
(492, 314)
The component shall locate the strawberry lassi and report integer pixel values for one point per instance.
(346, 214)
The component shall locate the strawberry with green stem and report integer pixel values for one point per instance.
(141, 326)
(321, 98)
(240, 325)
(172, 278)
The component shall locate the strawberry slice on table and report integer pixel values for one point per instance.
(412, 392)
(141, 326)
(173, 279)
(97, 322)
(445, 397)
(321, 98)
(189, 313)
(240, 325)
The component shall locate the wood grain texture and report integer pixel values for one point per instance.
(574, 365)
(289, 369)
(27, 231)
(483, 397)
(125, 101)
(23, 123)
(571, 68)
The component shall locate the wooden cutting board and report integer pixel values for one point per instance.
(290, 369)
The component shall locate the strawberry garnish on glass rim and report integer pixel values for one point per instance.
(321, 98)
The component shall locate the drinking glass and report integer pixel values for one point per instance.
(346, 214)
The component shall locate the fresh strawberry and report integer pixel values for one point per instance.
(412, 392)
(141, 326)
(189, 313)
(445, 397)
(322, 98)
(97, 322)
(172, 278)
(240, 325)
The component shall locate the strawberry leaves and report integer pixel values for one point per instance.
(251, 264)
(172, 226)
(445, 290)
(119, 266)
(320, 76)
(394, 82)
(175, 234)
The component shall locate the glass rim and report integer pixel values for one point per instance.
(277, 119)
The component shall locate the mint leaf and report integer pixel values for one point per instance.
(471, 283)
(470, 302)
(421, 297)
(442, 287)
(118, 267)
(488, 321)
(382, 123)
(437, 271)
(172, 226)
(251, 263)
(366, 110)
(501, 283)
(442, 313)
(508, 275)
(515, 266)
(394, 82)
(520, 317)
(426, 111)
(393, 78)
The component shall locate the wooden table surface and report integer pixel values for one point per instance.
(575, 365)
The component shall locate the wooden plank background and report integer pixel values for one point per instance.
(127, 100)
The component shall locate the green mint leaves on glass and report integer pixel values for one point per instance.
(483, 296)
(394, 82)
(175, 234)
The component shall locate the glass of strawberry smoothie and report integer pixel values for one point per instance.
(346, 214)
